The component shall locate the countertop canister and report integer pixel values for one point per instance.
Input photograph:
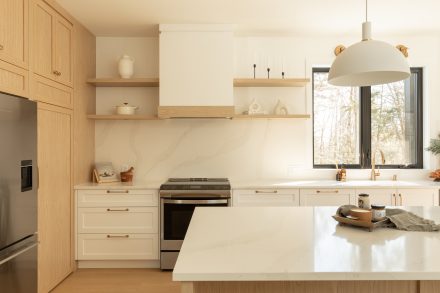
(364, 201)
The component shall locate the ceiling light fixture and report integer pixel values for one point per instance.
(368, 62)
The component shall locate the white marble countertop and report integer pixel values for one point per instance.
(302, 243)
(286, 183)
(119, 185)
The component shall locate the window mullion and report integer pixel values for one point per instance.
(365, 127)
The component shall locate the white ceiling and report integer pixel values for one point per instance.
(140, 17)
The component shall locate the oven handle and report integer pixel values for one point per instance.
(196, 201)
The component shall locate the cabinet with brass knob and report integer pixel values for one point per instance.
(51, 43)
(14, 32)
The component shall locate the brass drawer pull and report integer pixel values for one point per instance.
(401, 199)
(327, 191)
(266, 191)
(56, 72)
(117, 191)
(118, 210)
(395, 199)
(118, 236)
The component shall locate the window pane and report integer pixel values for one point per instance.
(336, 112)
(394, 121)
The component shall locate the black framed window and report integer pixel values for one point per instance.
(351, 124)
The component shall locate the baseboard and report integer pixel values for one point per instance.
(118, 264)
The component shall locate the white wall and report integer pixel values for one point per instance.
(237, 149)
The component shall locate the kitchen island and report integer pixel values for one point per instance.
(302, 249)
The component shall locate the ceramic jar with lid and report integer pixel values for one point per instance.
(379, 213)
(126, 109)
(364, 201)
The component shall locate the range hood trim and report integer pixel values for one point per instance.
(190, 112)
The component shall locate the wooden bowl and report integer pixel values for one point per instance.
(361, 214)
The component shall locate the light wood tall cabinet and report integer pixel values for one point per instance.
(52, 43)
(14, 32)
(54, 195)
(42, 48)
(14, 39)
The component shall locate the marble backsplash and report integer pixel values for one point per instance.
(240, 150)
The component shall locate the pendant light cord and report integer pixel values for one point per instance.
(366, 10)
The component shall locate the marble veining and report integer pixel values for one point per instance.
(302, 243)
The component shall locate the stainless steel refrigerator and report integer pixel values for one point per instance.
(18, 195)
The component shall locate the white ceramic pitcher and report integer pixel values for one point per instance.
(125, 66)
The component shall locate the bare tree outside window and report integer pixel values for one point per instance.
(336, 122)
(351, 123)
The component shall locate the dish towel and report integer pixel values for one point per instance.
(404, 220)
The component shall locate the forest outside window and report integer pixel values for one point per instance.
(351, 123)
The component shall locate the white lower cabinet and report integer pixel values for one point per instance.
(117, 224)
(265, 197)
(402, 196)
(386, 197)
(118, 220)
(327, 197)
(115, 246)
(417, 197)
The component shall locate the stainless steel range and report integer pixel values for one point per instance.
(178, 199)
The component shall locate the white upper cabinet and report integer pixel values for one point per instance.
(196, 70)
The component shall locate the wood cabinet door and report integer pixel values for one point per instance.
(43, 19)
(386, 196)
(54, 195)
(13, 79)
(62, 57)
(14, 32)
(416, 197)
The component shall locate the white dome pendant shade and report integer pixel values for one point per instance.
(368, 62)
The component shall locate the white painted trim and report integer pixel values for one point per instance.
(196, 28)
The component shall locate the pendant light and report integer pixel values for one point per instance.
(368, 62)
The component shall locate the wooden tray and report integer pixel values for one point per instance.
(369, 225)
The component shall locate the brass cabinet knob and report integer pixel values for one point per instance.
(56, 72)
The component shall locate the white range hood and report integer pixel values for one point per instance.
(196, 71)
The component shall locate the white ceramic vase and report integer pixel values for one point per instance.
(125, 66)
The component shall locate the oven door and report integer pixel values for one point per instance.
(175, 218)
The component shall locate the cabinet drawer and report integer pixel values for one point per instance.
(118, 220)
(266, 197)
(50, 92)
(327, 197)
(117, 198)
(14, 80)
(118, 247)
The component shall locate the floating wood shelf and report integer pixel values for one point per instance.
(292, 116)
(123, 117)
(120, 82)
(262, 82)
(149, 117)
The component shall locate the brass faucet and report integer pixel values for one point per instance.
(375, 172)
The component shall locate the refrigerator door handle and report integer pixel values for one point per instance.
(18, 251)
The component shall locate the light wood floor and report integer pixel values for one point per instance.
(118, 281)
